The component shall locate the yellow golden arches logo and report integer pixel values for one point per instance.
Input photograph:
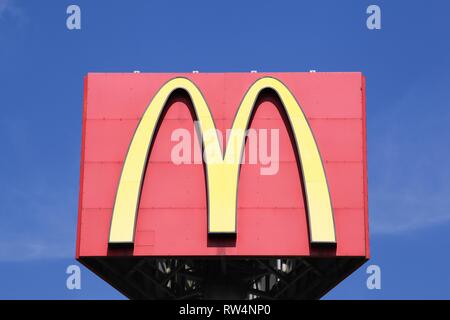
(222, 171)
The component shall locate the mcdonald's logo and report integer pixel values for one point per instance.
(222, 167)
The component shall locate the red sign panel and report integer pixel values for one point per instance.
(271, 210)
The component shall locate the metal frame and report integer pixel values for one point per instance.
(223, 277)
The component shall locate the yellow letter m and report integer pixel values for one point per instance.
(222, 170)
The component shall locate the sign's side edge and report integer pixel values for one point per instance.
(365, 173)
(83, 140)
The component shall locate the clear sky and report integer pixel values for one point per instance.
(406, 64)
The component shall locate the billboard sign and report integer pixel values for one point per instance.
(133, 194)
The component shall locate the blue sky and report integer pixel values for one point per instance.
(406, 64)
